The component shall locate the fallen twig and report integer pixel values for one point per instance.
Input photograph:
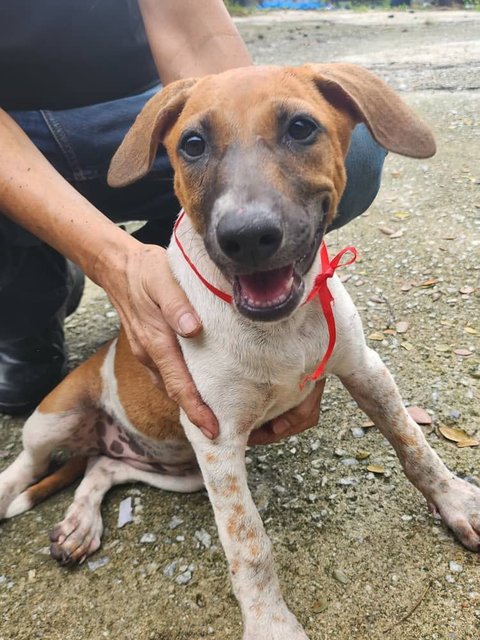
(410, 611)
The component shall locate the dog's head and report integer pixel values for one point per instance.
(258, 155)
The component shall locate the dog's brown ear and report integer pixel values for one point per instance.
(134, 157)
(370, 100)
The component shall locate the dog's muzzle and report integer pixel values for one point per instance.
(265, 286)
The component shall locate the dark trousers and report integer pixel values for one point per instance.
(79, 143)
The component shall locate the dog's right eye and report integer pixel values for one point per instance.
(193, 145)
(302, 129)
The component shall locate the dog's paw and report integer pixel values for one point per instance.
(78, 535)
(457, 502)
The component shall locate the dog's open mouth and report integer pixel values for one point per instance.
(268, 295)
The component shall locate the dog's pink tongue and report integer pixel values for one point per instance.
(266, 288)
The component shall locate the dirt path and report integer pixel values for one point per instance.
(373, 533)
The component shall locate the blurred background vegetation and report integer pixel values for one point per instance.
(245, 7)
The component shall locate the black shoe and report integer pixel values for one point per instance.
(31, 367)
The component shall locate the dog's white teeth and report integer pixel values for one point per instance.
(265, 303)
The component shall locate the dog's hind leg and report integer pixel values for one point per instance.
(457, 501)
(78, 535)
(42, 434)
(60, 417)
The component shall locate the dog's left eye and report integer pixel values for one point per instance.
(193, 145)
(302, 129)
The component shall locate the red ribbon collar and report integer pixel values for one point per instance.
(320, 289)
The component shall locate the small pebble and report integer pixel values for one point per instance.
(340, 576)
(148, 538)
(184, 578)
(125, 512)
(93, 565)
(455, 567)
(357, 432)
(204, 538)
(175, 522)
(170, 569)
(349, 462)
(347, 482)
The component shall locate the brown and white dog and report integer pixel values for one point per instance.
(259, 156)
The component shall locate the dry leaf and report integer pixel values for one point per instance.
(375, 468)
(362, 454)
(467, 290)
(463, 352)
(376, 336)
(397, 234)
(402, 326)
(401, 215)
(428, 283)
(367, 424)
(386, 230)
(470, 442)
(455, 435)
(408, 346)
(419, 415)
(470, 330)
(320, 606)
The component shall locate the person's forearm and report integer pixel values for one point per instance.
(191, 38)
(36, 197)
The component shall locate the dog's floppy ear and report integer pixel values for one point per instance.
(134, 157)
(370, 100)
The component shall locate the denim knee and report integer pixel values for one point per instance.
(364, 164)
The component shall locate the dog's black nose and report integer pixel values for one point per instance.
(247, 239)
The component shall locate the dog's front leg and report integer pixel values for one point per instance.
(246, 544)
(457, 501)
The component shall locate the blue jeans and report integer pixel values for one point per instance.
(79, 143)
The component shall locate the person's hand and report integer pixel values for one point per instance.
(292, 422)
(152, 308)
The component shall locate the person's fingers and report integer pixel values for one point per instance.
(264, 435)
(292, 422)
(302, 417)
(176, 309)
(168, 359)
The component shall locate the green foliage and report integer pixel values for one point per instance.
(236, 9)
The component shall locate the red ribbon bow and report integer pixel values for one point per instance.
(320, 289)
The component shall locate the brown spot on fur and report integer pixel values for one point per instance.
(81, 388)
(211, 457)
(147, 407)
(238, 510)
(231, 487)
(116, 447)
(68, 473)
(407, 440)
(100, 428)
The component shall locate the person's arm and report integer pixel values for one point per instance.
(190, 38)
(135, 276)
